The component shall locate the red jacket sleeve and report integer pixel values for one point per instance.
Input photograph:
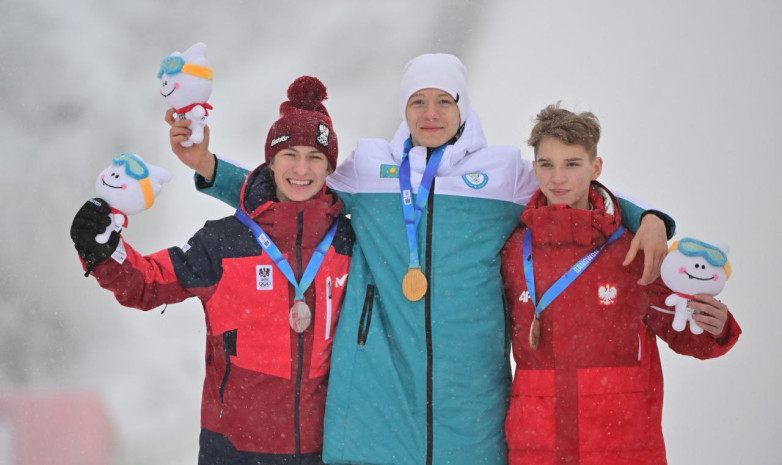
(142, 282)
(659, 318)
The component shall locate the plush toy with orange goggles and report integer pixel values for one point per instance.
(693, 267)
(186, 84)
(130, 186)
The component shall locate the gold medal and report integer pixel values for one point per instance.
(414, 284)
(300, 316)
(534, 333)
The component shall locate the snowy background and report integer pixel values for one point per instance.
(689, 95)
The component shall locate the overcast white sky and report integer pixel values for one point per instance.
(689, 95)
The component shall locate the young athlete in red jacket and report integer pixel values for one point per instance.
(588, 387)
(269, 325)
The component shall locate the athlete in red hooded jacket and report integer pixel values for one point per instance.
(588, 386)
(266, 365)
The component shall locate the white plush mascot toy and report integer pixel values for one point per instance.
(186, 84)
(130, 186)
(693, 267)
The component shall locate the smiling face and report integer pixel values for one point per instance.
(565, 172)
(120, 190)
(692, 274)
(186, 78)
(299, 172)
(181, 89)
(433, 117)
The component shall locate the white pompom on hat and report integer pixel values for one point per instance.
(436, 71)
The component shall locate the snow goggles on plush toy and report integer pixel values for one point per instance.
(176, 64)
(138, 170)
(695, 248)
(134, 167)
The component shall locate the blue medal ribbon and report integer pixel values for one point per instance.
(566, 279)
(271, 248)
(414, 210)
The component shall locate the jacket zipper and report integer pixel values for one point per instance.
(506, 311)
(428, 321)
(299, 367)
(300, 336)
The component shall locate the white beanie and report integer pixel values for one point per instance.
(435, 71)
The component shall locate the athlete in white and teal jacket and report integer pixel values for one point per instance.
(427, 381)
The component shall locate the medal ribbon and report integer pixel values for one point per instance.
(413, 211)
(566, 279)
(271, 248)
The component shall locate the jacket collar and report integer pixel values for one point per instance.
(562, 225)
(279, 219)
(471, 140)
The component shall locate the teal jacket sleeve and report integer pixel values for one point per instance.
(632, 214)
(229, 179)
(227, 184)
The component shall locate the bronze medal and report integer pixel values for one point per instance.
(300, 316)
(414, 284)
(534, 333)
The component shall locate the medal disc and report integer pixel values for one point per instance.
(534, 334)
(300, 316)
(414, 284)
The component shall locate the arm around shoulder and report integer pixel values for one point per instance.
(346, 178)
(652, 234)
(227, 184)
(634, 211)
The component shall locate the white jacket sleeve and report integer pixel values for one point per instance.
(526, 183)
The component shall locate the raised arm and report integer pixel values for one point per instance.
(226, 185)
(197, 156)
(220, 179)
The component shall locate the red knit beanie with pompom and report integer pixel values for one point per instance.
(304, 121)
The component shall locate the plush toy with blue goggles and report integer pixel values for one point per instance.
(175, 64)
(186, 85)
(129, 185)
(693, 267)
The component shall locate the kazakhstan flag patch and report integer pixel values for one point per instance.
(389, 171)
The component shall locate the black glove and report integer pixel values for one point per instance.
(92, 219)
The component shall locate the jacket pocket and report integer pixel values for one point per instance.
(229, 347)
(617, 409)
(530, 425)
(366, 315)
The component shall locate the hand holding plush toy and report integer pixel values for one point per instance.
(186, 84)
(126, 187)
(693, 267)
(130, 186)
